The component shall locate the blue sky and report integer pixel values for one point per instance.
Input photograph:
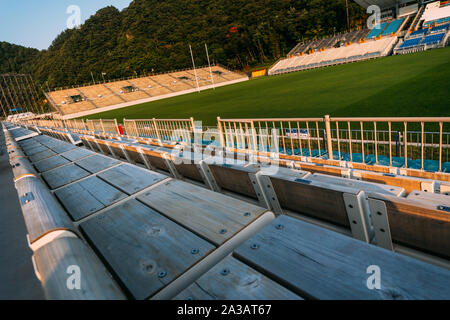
(35, 23)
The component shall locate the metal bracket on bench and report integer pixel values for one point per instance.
(380, 223)
(26, 198)
(144, 158)
(125, 154)
(269, 193)
(356, 217)
(208, 176)
(168, 161)
(98, 146)
(258, 190)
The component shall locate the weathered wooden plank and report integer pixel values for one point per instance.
(146, 250)
(408, 183)
(34, 149)
(156, 158)
(436, 198)
(96, 163)
(63, 148)
(234, 177)
(445, 188)
(41, 211)
(55, 263)
(186, 166)
(234, 280)
(83, 198)
(76, 154)
(131, 179)
(42, 155)
(357, 184)
(52, 143)
(212, 215)
(318, 201)
(50, 163)
(418, 224)
(315, 168)
(61, 176)
(318, 263)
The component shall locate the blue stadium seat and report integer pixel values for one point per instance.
(393, 27)
(417, 33)
(377, 30)
(442, 27)
(433, 39)
(443, 20)
(410, 43)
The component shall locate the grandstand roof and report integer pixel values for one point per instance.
(383, 4)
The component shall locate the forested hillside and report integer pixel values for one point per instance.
(15, 58)
(153, 35)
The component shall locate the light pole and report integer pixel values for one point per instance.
(348, 18)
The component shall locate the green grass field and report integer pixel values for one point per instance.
(409, 85)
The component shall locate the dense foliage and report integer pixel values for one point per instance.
(152, 35)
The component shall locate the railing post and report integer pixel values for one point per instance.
(156, 129)
(116, 126)
(219, 126)
(255, 141)
(103, 128)
(329, 141)
(193, 130)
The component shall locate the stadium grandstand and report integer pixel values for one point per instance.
(432, 29)
(405, 27)
(94, 98)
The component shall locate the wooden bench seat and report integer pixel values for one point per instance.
(96, 163)
(211, 215)
(317, 263)
(362, 185)
(130, 179)
(408, 183)
(61, 176)
(50, 163)
(233, 280)
(83, 198)
(144, 249)
(436, 198)
(64, 147)
(418, 224)
(42, 155)
(444, 188)
(35, 148)
(77, 154)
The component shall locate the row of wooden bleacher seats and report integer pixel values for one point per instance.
(226, 248)
(400, 184)
(112, 93)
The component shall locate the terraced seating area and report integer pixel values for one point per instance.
(349, 53)
(219, 217)
(112, 93)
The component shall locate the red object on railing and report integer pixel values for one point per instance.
(120, 129)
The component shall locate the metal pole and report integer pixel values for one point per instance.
(210, 70)
(195, 70)
(348, 16)
(92, 75)
(329, 141)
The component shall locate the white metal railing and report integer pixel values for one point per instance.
(179, 130)
(320, 136)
